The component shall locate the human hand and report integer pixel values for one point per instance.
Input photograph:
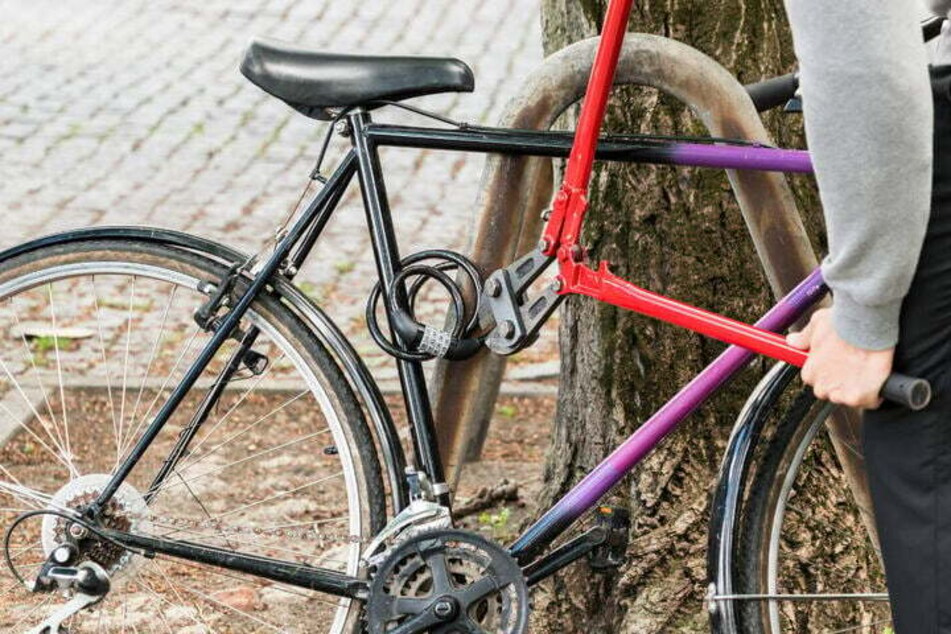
(837, 370)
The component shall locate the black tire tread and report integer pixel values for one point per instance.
(757, 513)
(353, 419)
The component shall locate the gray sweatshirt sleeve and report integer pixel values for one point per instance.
(868, 117)
(938, 7)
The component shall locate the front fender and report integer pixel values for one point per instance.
(326, 331)
(728, 495)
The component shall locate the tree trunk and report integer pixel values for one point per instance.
(678, 232)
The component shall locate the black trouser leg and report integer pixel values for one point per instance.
(909, 453)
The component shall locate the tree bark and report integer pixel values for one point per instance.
(678, 232)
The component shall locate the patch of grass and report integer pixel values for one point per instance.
(344, 267)
(42, 346)
(124, 304)
(507, 411)
(496, 523)
(49, 342)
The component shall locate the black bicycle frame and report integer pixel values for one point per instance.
(291, 250)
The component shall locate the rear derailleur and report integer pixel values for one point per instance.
(87, 583)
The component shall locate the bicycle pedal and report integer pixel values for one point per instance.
(612, 553)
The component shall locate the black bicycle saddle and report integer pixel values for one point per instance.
(312, 81)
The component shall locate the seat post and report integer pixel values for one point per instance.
(386, 254)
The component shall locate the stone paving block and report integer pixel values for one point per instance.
(134, 112)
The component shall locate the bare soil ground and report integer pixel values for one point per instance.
(168, 596)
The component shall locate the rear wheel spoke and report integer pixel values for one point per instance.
(212, 537)
(125, 361)
(37, 379)
(863, 626)
(162, 390)
(104, 363)
(276, 496)
(179, 587)
(148, 367)
(34, 612)
(260, 478)
(59, 377)
(15, 420)
(171, 586)
(171, 484)
(34, 499)
(221, 420)
(197, 458)
(49, 427)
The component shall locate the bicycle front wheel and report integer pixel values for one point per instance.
(806, 562)
(95, 335)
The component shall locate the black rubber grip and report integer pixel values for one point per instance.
(915, 394)
(772, 93)
(775, 92)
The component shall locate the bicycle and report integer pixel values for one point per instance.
(80, 519)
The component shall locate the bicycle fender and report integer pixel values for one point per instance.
(323, 327)
(727, 496)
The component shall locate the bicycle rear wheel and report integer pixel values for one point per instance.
(94, 336)
(803, 540)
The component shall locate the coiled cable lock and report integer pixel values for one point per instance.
(421, 342)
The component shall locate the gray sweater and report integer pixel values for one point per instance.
(869, 122)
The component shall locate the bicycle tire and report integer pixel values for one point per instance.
(796, 462)
(322, 399)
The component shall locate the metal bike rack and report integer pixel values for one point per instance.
(515, 190)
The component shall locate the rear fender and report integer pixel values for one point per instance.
(326, 331)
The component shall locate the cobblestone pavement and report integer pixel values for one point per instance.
(133, 112)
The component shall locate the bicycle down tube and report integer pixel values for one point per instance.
(587, 492)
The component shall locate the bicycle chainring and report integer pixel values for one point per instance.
(448, 581)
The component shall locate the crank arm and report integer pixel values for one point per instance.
(572, 551)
